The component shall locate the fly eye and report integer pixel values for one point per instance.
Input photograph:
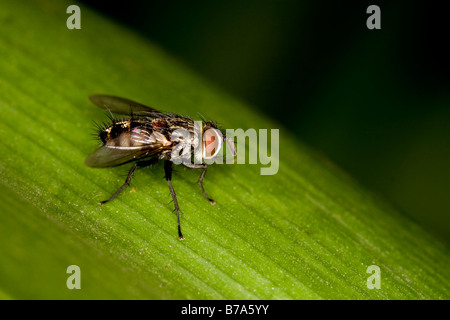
(212, 142)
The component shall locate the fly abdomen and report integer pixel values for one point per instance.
(132, 133)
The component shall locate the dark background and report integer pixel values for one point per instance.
(376, 102)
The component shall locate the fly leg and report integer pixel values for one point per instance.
(168, 173)
(200, 180)
(129, 176)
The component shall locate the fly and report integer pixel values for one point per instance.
(146, 136)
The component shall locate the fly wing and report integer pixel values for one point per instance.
(110, 156)
(113, 154)
(125, 106)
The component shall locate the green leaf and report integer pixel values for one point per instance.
(308, 232)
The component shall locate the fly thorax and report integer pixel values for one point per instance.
(197, 142)
(181, 152)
